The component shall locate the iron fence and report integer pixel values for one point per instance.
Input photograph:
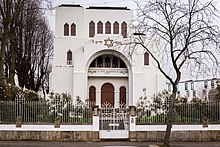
(184, 113)
(44, 112)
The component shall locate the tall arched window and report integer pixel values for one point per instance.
(92, 96)
(116, 28)
(124, 30)
(123, 95)
(146, 58)
(91, 29)
(69, 58)
(73, 30)
(66, 29)
(100, 28)
(107, 27)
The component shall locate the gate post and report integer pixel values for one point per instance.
(95, 121)
(132, 118)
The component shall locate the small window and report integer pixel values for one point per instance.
(169, 87)
(187, 94)
(66, 29)
(91, 29)
(204, 93)
(194, 93)
(124, 30)
(205, 84)
(107, 27)
(116, 28)
(192, 85)
(100, 28)
(186, 86)
(212, 84)
(69, 58)
(73, 30)
(146, 58)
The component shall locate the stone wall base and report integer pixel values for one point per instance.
(94, 136)
(49, 135)
(175, 136)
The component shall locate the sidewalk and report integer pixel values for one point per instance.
(104, 144)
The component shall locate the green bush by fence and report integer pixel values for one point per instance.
(185, 113)
(43, 111)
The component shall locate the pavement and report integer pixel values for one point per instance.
(104, 144)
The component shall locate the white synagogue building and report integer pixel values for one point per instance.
(91, 61)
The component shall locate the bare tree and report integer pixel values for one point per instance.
(26, 42)
(188, 37)
(9, 14)
(36, 47)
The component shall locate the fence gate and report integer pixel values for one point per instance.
(114, 123)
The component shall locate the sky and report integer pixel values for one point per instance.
(86, 3)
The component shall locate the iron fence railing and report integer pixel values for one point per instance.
(185, 113)
(43, 111)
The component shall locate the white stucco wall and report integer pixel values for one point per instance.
(74, 79)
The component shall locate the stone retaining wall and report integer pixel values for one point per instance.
(175, 136)
(50, 135)
(94, 135)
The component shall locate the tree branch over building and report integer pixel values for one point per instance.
(189, 40)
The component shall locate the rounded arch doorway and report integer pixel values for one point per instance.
(107, 94)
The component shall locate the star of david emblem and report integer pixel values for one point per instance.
(108, 42)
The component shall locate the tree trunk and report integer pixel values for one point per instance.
(12, 66)
(2, 58)
(170, 117)
(169, 126)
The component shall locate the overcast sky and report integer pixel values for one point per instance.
(128, 3)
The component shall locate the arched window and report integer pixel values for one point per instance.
(107, 62)
(107, 27)
(73, 30)
(122, 64)
(99, 62)
(115, 62)
(66, 29)
(93, 63)
(123, 95)
(124, 30)
(91, 29)
(146, 58)
(116, 28)
(69, 58)
(100, 28)
(92, 96)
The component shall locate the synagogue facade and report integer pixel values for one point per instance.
(93, 59)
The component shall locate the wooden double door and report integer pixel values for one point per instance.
(108, 94)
